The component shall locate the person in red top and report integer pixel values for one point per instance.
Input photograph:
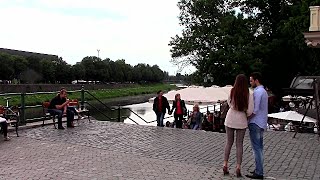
(180, 110)
(160, 105)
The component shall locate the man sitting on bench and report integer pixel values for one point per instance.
(59, 106)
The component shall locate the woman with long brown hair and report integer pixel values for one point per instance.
(180, 109)
(241, 106)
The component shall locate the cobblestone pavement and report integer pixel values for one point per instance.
(106, 150)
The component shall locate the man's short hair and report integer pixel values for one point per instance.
(63, 89)
(257, 76)
(159, 91)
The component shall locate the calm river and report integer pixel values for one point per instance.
(144, 110)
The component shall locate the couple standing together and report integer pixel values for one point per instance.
(161, 104)
(247, 109)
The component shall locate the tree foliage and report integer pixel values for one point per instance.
(35, 70)
(226, 37)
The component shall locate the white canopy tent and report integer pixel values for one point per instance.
(200, 95)
(292, 116)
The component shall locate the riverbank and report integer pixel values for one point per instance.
(128, 100)
(123, 95)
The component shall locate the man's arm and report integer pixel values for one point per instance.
(257, 100)
(167, 103)
(154, 104)
(173, 106)
(64, 105)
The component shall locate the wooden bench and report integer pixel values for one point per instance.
(47, 115)
(81, 111)
(72, 103)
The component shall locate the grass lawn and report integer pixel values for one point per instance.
(37, 99)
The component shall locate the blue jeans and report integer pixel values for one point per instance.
(256, 137)
(160, 116)
(194, 126)
(73, 109)
(59, 114)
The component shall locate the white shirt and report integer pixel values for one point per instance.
(239, 119)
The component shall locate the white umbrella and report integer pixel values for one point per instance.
(292, 116)
(200, 95)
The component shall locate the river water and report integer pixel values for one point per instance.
(143, 114)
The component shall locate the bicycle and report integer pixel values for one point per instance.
(11, 114)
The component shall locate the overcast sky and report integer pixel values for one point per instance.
(134, 30)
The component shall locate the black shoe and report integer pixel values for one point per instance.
(62, 128)
(254, 176)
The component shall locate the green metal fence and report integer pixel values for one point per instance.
(22, 106)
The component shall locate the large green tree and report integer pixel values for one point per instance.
(261, 35)
(48, 71)
(63, 73)
(7, 70)
(281, 24)
(35, 70)
(78, 71)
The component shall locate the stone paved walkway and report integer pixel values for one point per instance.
(106, 150)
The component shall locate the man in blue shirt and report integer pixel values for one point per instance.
(258, 123)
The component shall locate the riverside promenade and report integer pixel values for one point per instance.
(111, 150)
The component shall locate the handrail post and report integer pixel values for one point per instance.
(82, 98)
(188, 114)
(119, 113)
(23, 108)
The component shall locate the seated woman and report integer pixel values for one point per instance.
(195, 118)
(4, 127)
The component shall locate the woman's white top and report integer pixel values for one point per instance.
(239, 119)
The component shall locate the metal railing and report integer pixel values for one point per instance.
(113, 109)
(22, 108)
(119, 111)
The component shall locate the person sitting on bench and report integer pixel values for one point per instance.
(4, 127)
(59, 106)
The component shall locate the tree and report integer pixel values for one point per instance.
(265, 36)
(158, 75)
(35, 70)
(78, 71)
(89, 65)
(136, 73)
(63, 73)
(7, 61)
(147, 74)
(30, 76)
(102, 70)
(20, 65)
(281, 25)
(48, 70)
(34, 63)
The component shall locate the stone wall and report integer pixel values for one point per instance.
(18, 88)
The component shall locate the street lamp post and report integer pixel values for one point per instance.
(98, 53)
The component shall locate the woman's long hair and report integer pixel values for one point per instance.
(197, 107)
(240, 93)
